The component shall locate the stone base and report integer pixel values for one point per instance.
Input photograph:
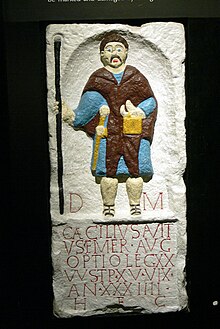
(117, 268)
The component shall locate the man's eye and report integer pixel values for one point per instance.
(119, 50)
(109, 50)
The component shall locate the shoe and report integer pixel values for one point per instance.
(109, 211)
(135, 210)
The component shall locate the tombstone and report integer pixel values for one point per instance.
(116, 111)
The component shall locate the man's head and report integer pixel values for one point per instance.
(113, 50)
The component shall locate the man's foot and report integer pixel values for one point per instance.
(109, 211)
(135, 210)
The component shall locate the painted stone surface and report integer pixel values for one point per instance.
(125, 261)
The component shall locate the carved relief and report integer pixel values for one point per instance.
(118, 111)
(117, 150)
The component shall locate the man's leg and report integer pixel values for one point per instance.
(134, 188)
(109, 187)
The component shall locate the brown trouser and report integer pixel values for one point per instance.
(126, 146)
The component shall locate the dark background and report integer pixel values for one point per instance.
(26, 269)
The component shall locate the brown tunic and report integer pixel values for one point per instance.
(134, 87)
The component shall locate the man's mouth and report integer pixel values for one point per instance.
(115, 59)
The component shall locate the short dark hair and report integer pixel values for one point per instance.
(112, 37)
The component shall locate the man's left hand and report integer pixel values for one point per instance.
(130, 110)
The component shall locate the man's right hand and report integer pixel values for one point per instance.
(104, 110)
(68, 115)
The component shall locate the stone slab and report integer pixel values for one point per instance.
(124, 264)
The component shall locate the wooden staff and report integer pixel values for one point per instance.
(97, 142)
(57, 49)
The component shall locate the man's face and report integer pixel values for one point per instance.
(114, 54)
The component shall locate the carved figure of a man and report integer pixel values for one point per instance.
(118, 110)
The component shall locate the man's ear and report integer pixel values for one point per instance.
(102, 57)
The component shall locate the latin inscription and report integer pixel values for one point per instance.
(119, 263)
